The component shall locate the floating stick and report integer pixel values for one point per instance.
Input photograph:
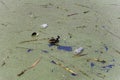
(32, 66)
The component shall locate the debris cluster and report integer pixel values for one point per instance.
(77, 52)
(96, 64)
(55, 42)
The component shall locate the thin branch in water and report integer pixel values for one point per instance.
(32, 40)
(111, 33)
(117, 51)
(32, 66)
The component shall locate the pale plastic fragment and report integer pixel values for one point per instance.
(44, 25)
(79, 50)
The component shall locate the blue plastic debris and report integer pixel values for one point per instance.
(65, 48)
(92, 64)
(50, 45)
(108, 67)
(106, 48)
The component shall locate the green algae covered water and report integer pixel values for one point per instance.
(92, 25)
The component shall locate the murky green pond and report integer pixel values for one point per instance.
(91, 25)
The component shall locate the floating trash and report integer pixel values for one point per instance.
(50, 45)
(45, 51)
(92, 64)
(72, 14)
(53, 62)
(65, 48)
(44, 25)
(73, 74)
(78, 51)
(108, 67)
(34, 34)
(79, 55)
(113, 60)
(29, 50)
(106, 48)
(70, 35)
(54, 41)
(85, 12)
(97, 60)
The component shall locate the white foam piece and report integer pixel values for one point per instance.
(44, 25)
